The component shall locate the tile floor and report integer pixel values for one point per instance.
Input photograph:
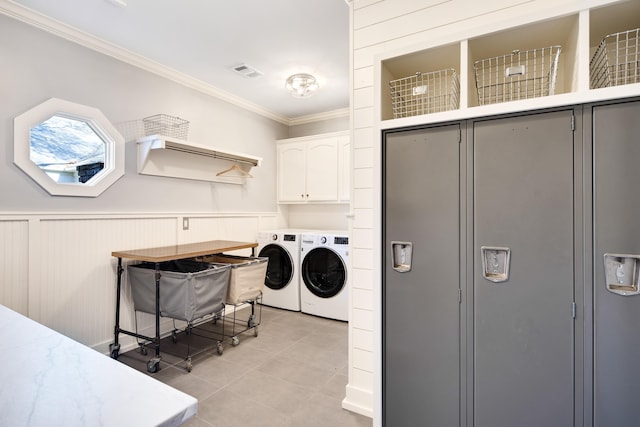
(293, 373)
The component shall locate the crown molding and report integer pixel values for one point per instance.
(335, 114)
(45, 23)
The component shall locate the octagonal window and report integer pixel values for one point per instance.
(68, 149)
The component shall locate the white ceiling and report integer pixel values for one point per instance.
(205, 39)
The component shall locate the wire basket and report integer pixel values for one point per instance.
(162, 124)
(518, 75)
(616, 60)
(425, 93)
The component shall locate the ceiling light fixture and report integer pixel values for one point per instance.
(302, 85)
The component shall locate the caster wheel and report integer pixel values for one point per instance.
(251, 322)
(143, 350)
(189, 365)
(220, 349)
(153, 366)
(255, 331)
(115, 350)
(235, 341)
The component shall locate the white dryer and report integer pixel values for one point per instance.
(324, 288)
(282, 281)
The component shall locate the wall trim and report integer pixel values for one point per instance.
(21, 215)
(42, 22)
(359, 401)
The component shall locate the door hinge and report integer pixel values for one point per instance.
(573, 310)
(459, 296)
(573, 123)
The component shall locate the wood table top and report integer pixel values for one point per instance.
(188, 250)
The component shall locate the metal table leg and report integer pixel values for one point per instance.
(154, 363)
(115, 347)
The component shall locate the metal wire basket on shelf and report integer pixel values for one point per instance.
(425, 93)
(518, 75)
(616, 60)
(163, 124)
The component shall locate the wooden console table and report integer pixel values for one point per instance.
(158, 255)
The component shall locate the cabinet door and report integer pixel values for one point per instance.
(523, 326)
(322, 170)
(344, 168)
(616, 231)
(421, 310)
(291, 172)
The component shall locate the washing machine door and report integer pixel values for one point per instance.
(279, 267)
(323, 272)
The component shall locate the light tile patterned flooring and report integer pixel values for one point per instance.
(293, 373)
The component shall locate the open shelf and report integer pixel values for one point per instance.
(612, 19)
(170, 157)
(430, 60)
(616, 60)
(561, 32)
(577, 32)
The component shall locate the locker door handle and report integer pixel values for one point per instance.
(401, 256)
(622, 274)
(495, 263)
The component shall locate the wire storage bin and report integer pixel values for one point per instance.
(425, 93)
(616, 60)
(163, 124)
(518, 75)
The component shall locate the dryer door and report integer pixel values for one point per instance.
(323, 272)
(279, 268)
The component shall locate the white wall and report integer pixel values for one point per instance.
(35, 66)
(55, 252)
(379, 28)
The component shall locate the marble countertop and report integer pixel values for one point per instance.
(48, 379)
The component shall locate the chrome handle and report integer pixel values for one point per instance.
(401, 255)
(622, 274)
(495, 263)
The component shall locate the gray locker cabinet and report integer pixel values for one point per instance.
(523, 326)
(421, 310)
(616, 140)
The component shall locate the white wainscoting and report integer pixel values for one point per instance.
(14, 264)
(58, 270)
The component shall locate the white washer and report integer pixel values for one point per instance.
(282, 281)
(324, 286)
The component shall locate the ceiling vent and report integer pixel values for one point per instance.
(246, 71)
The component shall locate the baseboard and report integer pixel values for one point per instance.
(358, 401)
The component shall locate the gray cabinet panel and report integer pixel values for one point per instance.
(421, 313)
(616, 230)
(523, 327)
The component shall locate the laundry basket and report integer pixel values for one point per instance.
(518, 75)
(247, 276)
(189, 290)
(616, 60)
(425, 93)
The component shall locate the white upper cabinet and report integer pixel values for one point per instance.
(314, 169)
(344, 168)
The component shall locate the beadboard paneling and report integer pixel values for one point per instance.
(14, 264)
(77, 274)
(58, 269)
